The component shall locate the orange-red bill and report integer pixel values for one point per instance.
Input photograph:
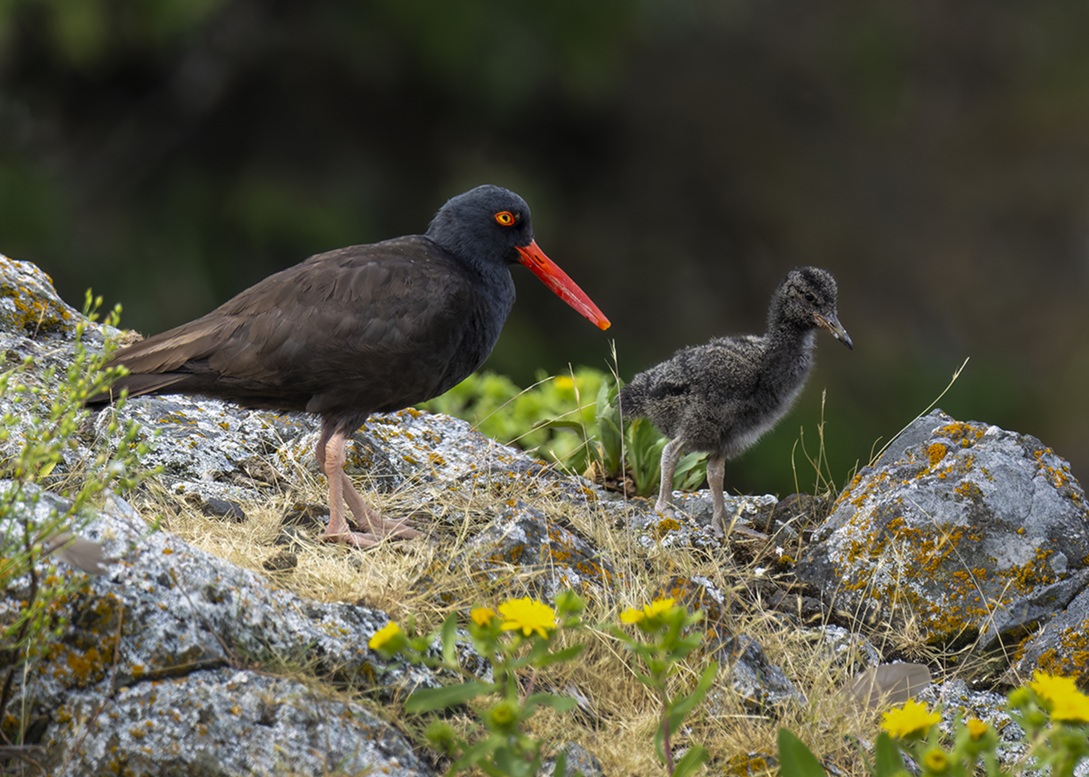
(562, 285)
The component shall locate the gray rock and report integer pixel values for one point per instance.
(761, 684)
(956, 702)
(524, 537)
(169, 620)
(580, 762)
(1022, 617)
(30, 306)
(690, 526)
(1061, 646)
(224, 722)
(210, 449)
(965, 521)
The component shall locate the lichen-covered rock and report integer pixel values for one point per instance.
(1062, 646)
(224, 722)
(212, 449)
(746, 669)
(29, 305)
(580, 762)
(524, 537)
(955, 522)
(760, 683)
(167, 614)
(690, 525)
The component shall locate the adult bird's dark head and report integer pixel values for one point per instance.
(492, 225)
(807, 298)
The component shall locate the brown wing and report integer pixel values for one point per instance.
(363, 328)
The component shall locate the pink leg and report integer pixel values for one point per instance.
(671, 454)
(331, 455)
(716, 475)
(365, 515)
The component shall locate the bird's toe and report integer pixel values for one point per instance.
(402, 530)
(354, 538)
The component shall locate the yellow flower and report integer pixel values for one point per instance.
(935, 761)
(1049, 686)
(564, 382)
(652, 610)
(482, 616)
(1073, 709)
(911, 719)
(528, 616)
(385, 636)
(658, 606)
(1062, 697)
(976, 727)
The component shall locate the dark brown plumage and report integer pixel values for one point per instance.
(359, 330)
(719, 398)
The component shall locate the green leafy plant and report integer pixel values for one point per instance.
(518, 641)
(1051, 711)
(574, 421)
(46, 415)
(666, 639)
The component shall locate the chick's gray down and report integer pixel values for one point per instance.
(719, 398)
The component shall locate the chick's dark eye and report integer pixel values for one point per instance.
(809, 297)
(505, 218)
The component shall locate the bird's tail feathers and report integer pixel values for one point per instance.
(137, 384)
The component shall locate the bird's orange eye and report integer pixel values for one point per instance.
(504, 218)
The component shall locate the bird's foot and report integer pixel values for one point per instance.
(720, 529)
(665, 509)
(401, 529)
(371, 520)
(354, 538)
(366, 517)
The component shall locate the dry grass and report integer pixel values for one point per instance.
(619, 716)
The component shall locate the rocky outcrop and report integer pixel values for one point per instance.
(159, 669)
(970, 532)
(177, 662)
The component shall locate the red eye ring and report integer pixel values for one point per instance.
(505, 218)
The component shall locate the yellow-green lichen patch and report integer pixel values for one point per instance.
(966, 489)
(665, 526)
(962, 433)
(746, 764)
(936, 452)
(1057, 473)
(79, 668)
(1071, 656)
(1034, 573)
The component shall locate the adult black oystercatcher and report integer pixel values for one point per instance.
(719, 398)
(360, 330)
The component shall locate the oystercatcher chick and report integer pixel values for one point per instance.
(719, 398)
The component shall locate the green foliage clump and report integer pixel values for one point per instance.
(519, 641)
(39, 430)
(666, 638)
(571, 420)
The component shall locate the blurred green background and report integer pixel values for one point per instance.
(679, 158)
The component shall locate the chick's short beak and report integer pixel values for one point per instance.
(834, 327)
